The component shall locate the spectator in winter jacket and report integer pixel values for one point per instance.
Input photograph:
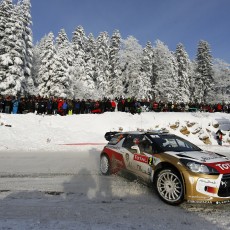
(96, 107)
(15, 103)
(77, 105)
(30, 105)
(120, 105)
(219, 137)
(218, 107)
(60, 104)
(49, 106)
(64, 107)
(88, 106)
(155, 106)
(113, 104)
(42, 106)
(70, 107)
(82, 106)
(108, 106)
(54, 106)
(2, 103)
(8, 105)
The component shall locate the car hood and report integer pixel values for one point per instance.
(219, 162)
(201, 156)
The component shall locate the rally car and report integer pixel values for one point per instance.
(178, 169)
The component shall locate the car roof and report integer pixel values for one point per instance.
(110, 135)
(151, 132)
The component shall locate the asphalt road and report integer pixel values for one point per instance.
(65, 190)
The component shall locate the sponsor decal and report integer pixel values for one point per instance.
(224, 184)
(127, 157)
(140, 158)
(208, 202)
(224, 166)
(207, 157)
(199, 202)
(207, 181)
(143, 159)
(223, 202)
(208, 186)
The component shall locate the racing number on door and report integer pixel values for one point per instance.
(150, 161)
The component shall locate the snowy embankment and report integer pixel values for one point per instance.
(35, 132)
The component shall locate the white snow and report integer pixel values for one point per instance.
(49, 182)
(35, 132)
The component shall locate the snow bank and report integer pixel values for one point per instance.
(35, 132)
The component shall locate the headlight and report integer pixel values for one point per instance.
(198, 167)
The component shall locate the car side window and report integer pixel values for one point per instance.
(145, 146)
(130, 141)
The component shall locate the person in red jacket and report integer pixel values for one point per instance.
(155, 106)
(219, 107)
(113, 104)
(60, 104)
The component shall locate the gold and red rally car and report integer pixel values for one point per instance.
(178, 169)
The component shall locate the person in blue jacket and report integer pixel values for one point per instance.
(15, 104)
(65, 107)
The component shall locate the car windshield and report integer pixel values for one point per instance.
(172, 143)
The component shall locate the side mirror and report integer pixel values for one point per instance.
(135, 147)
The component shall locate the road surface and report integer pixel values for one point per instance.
(65, 190)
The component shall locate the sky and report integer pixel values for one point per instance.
(171, 21)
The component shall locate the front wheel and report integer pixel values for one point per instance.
(105, 165)
(169, 187)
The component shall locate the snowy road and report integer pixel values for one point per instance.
(64, 190)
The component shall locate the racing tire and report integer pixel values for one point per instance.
(169, 187)
(105, 166)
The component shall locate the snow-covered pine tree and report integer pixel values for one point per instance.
(84, 85)
(146, 71)
(60, 83)
(78, 45)
(28, 83)
(5, 8)
(116, 86)
(64, 61)
(79, 39)
(12, 50)
(36, 63)
(192, 74)
(183, 73)
(221, 81)
(205, 71)
(165, 72)
(130, 56)
(90, 56)
(47, 67)
(102, 65)
(64, 47)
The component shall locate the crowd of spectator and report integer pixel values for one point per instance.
(62, 106)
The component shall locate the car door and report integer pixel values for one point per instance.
(139, 155)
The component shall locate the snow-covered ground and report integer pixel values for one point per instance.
(34, 132)
(50, 178)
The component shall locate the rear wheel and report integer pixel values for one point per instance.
(105, 165)
(169, 187)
